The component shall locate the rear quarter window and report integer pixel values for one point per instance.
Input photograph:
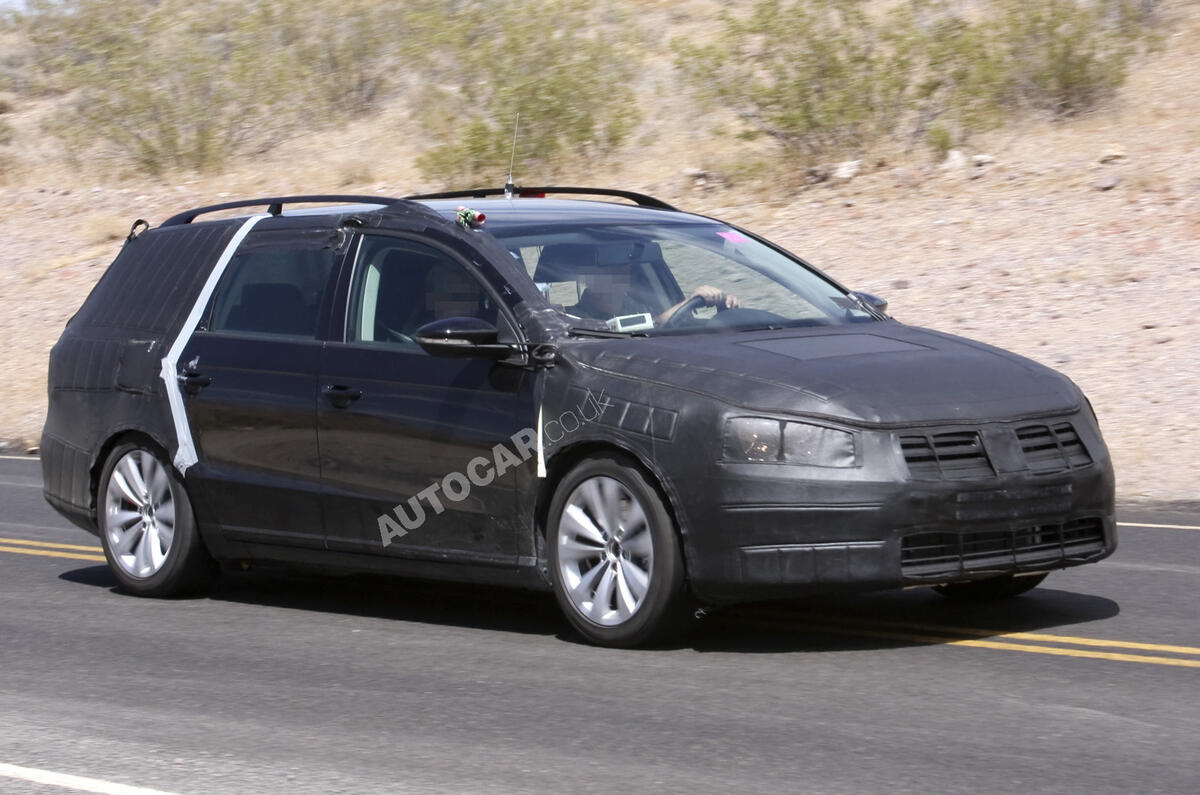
(155, 279)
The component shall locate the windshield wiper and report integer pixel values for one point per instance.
(607, 334)
(767, 327)
(798, 323)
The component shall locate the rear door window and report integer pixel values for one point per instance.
(274, 290)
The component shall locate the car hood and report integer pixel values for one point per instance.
(884, 373)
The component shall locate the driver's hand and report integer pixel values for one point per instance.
(715, 296)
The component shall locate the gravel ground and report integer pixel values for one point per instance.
(1100, 285)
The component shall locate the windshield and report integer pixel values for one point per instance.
(673, 278)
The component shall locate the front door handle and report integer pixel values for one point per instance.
(341, 396)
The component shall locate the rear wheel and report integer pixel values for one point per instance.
(147, 528)
(615, 557)
(1003, 587)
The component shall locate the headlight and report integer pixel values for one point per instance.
(774, 441)
(752, 439)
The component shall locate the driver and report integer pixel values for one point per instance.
(607, 295)
(451, 292)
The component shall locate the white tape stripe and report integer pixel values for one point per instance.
(185, 454)
(1162, 526)
(81, 783)
(541, 450)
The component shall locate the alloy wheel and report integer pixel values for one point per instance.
(139, 514)
(605, 551)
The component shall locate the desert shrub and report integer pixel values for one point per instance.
(167, 84)
(351, 56)
(819, 78)
(189, 83)
(1063, 56)
(15, 55)
(562, 66)
(827, 79)
(940, 140)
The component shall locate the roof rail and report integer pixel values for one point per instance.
(640, 199)
(274, 205)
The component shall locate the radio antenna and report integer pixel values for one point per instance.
(509, 190)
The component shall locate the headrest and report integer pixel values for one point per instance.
(564, 262)
(651, 252)
(561, 262)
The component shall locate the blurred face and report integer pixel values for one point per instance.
(452, 294)
(607, 288)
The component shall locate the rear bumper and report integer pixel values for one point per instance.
(66, 479)
(80, 517)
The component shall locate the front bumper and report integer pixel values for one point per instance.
(766, 531)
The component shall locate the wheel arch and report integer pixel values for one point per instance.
(112, 442)
(566, 459)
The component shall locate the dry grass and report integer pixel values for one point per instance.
(103, 227)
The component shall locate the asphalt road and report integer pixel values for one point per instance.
(297, 683)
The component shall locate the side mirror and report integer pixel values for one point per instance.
(462, 336)
(873, 300)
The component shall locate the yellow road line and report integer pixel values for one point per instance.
(1163, 526)
(988, 644)
(48, 544)
(50, 553)
(1038, 636)
(1112, 644)
(998, 640)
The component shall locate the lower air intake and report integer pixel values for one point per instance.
(939, 554)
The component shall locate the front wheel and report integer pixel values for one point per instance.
(615, 557)
(147, 528)
(1006, 586)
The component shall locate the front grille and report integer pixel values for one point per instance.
(1014, 502)
(958, 455)
(1054, 448)
(940, 554)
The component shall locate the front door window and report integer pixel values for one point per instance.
(400, 286)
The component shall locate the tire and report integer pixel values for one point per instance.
(147, 527)
(622, 586)
(1006, 586)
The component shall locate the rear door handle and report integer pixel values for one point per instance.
(193, 382)
(341, 396)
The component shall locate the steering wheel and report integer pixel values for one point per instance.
(685, 309)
